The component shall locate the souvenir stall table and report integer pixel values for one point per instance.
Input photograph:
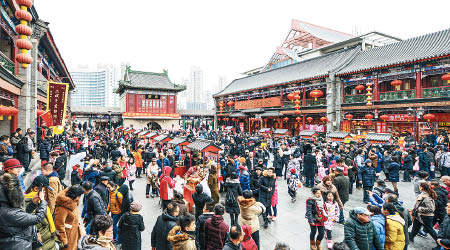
(338, 136)
(129, 130)
(206, 149)
(181, 142)
(379, 138)
(308, 134)
(280, 132)
(150, 138)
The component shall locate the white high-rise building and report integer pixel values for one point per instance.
(195, 95)
(94, 86)
(222, 83)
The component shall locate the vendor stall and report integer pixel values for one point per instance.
(181, 142)
(163, 138)
(280, 132)
(379, 138)
(338, 136)
(150, 138)
(308, 134)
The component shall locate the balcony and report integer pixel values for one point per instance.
(397, 95)
(6, 63)
(354, 98)
(436, 92)
(319, 102)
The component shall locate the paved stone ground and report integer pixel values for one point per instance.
(290, 227)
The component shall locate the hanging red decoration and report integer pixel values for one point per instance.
(39, 112)
(429, 117)
(297, 102)
(369, 116)
(316, 94)
(291, 96)
(409, 117)
(26, 3)
(24, 58)
(369, 84)
(298, 119)
(24, 44)
(445, 77)
(221, 104)
(384, 117)
(297, 112)
(309, 119)
(324, 119)
(24, 31)
(396, 84)
(297, 92)
(349, 116)
(285, 119)
(359, 88)
(230, 103)
(24, 15)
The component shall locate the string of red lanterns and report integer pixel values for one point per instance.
(24, 32)
(369, 93)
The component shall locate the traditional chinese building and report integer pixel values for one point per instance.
(148, 99)
(369, 83)
(23, 90)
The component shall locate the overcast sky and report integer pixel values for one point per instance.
(222, 37)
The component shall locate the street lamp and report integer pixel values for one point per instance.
(109, 113)
(418, 113)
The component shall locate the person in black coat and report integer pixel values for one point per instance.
(443, 237)
(60, 165)
(112, 175)
(394, 173)
(131, 225)
(309, 168)
(266, 189)
(278, 162)
(208, 212)
(254, 181)
(162, 227)
(407, 167)
(44, 150)
(115, 154)
(94, 206)
(440, 203)
(234, 189)
(200, 199)
(102, 190)
(23, 152)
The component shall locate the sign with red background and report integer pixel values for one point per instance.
(259, 103)
(56, 101)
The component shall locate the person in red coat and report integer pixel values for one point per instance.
(248, 243)
(167, 185)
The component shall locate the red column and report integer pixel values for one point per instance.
(419, 84)
(282, 99)
(375, 89)
(303, 121)
(304, 99)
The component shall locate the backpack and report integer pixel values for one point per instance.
(230, 199)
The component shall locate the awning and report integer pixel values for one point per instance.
(257, 110)
(280, 131)
(238, 114)
(228, 127)
(264, 130)
(270, 114)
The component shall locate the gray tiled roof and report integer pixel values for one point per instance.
(378, 137)
(177, 140)
(270, 113)
(161, 137)
(151, 134)
(413, 49)
(238, 114)
(199, 144)
(148, 80)
(337, 134)
(308, 69)
(307, 132)
(280, 131)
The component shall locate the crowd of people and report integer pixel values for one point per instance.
(39, 206)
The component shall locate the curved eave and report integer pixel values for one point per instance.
(392, 65)
(123, 87)
(7, 76)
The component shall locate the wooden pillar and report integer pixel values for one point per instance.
(303, 121)
(418, 93)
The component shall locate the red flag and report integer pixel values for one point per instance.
(47, 118)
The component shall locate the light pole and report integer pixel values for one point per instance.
(418, 112)
(109, 113)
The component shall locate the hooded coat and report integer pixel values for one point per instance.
(444, 232)
(265, 182)
(248, 243)
(359, 235)
(395, 237)
(161, 229)
(15, 224)
(309, 165)
(131, 225)
(66, 220)
(216, 230)
(167, 184)
(181, 240)
(108, 172)
(250, 211)
(380, 226)
(233, 185)
(394, 171)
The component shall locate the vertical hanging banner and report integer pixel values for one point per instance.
(57, 101)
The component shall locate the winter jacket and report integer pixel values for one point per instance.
(250, 211)
(138, 159)
(254, 181)
(424, 163)
(244, 179)
(342, 184)
(394, 169)
(248, 243)
(167, 184)
(324, 188)
(233, 185)
(379, 221)
(212, 184)
(200, 230)
(265, 182)
(94, 206)
(23, 153)
(88, 242)
(102, 190)
(440, 202)
(131, 170)
(108, 172)
(395, 237)
(313, 213)
(425, 207)
(333, 212)
(229, 245)
(66, 220)
(181, 240)
(44, 150)
(277, 161)
(60, 166)
(75, 178)
(163, 225)
(367, 175)
(407, 217)
(309, 165)
(131, 225)
(56, 186)
(444, 231)
(407, 163)
(115, 202)
(118, 169)
(215, 232)
(359, 235)
(16, 224)
(200, 200)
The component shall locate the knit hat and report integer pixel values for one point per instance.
(293, 170)
(11, 163)
(135, 206)
(40, 181)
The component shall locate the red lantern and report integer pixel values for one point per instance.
(297, 92)
(298, 118)
(285, 119)
(396, 84)
(24, 58)
(27, 3)
(221, 104)
(324, 119)
(369, 104)
(359, 88)
(297, 102)
(429, 117)
(316, 94)
(384, 117)
(230, 103)
(24, 30)
(445, 77)
(409, 117)
(369, 98)
(291, 96)
(24, 15)
(369, 84)
(24, 44)
(266, 120)
(297, 112)
(369, 116)
(349, 116)
(309, 119)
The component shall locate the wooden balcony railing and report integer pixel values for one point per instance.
(397, 95)
(436, 92)
(355, 98)
(319, 102)
(6, 63)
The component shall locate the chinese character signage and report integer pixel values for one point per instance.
(151, 96)
(259, 103)
(57, 101)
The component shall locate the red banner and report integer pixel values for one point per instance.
(345, 126)
(381, 127)
(47, 118)
(57, 101)
(398, 118)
